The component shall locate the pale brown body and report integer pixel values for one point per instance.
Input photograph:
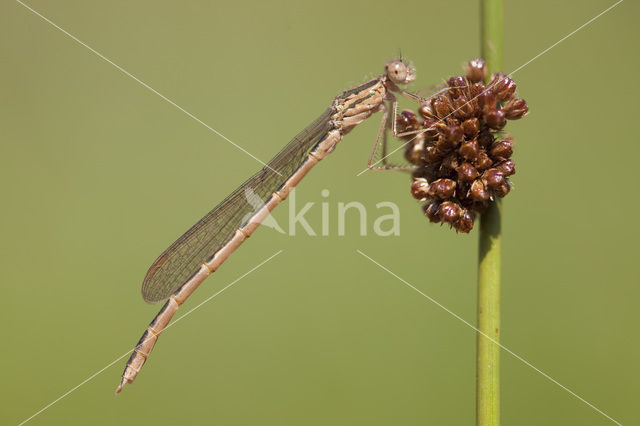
(348, 110)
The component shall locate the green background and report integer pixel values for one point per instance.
(99, 175)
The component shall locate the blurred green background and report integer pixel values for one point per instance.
(99, 175)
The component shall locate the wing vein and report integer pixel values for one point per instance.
(185, 256)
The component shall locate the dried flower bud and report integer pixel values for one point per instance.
(419, 188)
(487, 100)
(465, 222)
(414, 150)
(495, 118)
(431, 172)
(407, 121)
(483, 161)
(471, 127)
(440, 126)
(456, 85)
(443, 146)
(431, 211)
(493, 178)
(466, 172)
(478, 192)
(502, 86)
(515, 109)
(502, 189)
(463, 109)
(485, 138)
(442, 189)
(431, 130)
(502, 149)
(441, 106)
(476, 70)
(426, 111)
(449, 211)
(469, 150)
(453, 134)
(475, 90)
(431, 154)
(450, 162)
(507, 168)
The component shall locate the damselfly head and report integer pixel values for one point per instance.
(400, 72)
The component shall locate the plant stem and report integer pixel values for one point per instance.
(488, 353)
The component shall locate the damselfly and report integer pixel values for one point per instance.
(203, 248)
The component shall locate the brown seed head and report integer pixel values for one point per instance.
(462, 165)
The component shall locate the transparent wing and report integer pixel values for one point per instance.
(185, 256)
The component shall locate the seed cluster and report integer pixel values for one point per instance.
(455, 141)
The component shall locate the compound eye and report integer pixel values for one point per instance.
(397, 72)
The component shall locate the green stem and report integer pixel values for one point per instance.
(488, 352)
